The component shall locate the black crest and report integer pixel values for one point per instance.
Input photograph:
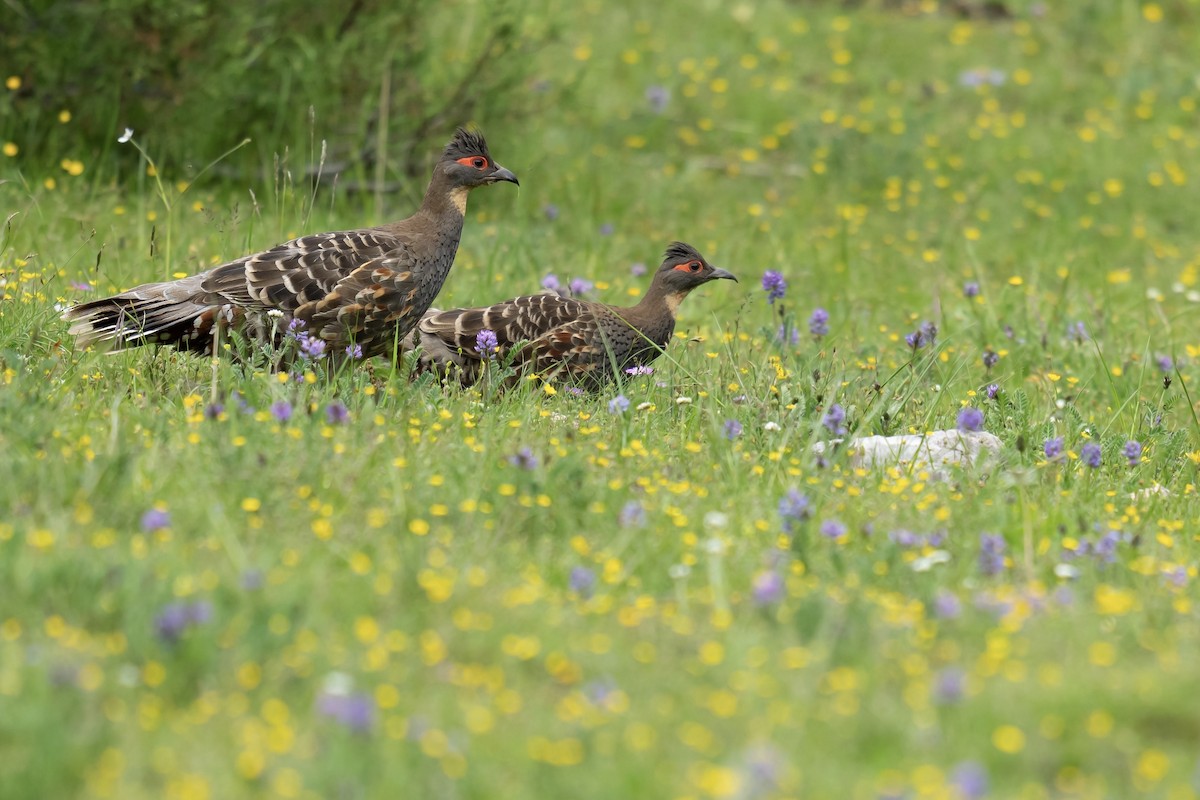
(678, 251)
(466, 143)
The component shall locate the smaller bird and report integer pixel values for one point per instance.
(562, 338)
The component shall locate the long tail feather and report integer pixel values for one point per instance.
(170, 313)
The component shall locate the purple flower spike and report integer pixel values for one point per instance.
(1132, 452)
(583, 581)
(336, 413)
(818, 323)
(355, 711)
(833, 529)
(486, 343)
(524, 458)
(774, 285)
(833, 419)
(991, 553)
(768, 588)
(794, 508)
(281, 411)
(971, 780)
(155, 519)
(970, 420)
(618, 405)
(632, 515)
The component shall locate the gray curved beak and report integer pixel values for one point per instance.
(501, 174)
(722, 273)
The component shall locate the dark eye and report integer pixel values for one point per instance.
(694, 266)
(479, 163)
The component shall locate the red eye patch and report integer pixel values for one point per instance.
(691, 266)
(478, 162)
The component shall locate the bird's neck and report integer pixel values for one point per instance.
(444, 203)
(654, 314)
(660, 300)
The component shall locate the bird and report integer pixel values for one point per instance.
(561, 338)
(356, 292)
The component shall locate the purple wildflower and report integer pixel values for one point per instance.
(1077, 332)
(1091, 454)
(768, 588)
(658, 97)
(835, 415)
(833, 529)
(947, 605)
(486, 343)
(632, 515)
(905, 538)
(1164, 363)
(971, 780)
(356, 711)
(81, 286)
(1176, 576)
(336, 413)
(990, 359)
(524, 458)
(551, 282)
(991, 553)
(991, 391)
(618, 405)
(155, 519)
(1105, 548)
(637, 269)
(583, 581)
(949, 685)
(981, 76)
(354, 351)
(794, 508)
(929, 332)
(970, 420)
(214, 410)
(1053, 448)
(607, 229)
(733, 429)
(818, 323)
(580, 286)
(1132, 452)
(175, 618)
(640, 369)
(551, 211)
(786, 332)
(311, 348)
(774, 285)
(281, 411)
(295, 326)
(971, 289)
(252, 580)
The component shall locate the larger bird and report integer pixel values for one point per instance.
(358, 291)
(559, 337)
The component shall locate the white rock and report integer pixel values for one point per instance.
(934, 449)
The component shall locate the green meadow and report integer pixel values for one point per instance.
(221, 582)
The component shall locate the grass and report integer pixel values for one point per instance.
(341, 609)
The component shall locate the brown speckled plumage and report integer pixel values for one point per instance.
(560, 337)
(365, 287)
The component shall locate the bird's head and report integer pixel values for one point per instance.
(466, 162)
(683, 269)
